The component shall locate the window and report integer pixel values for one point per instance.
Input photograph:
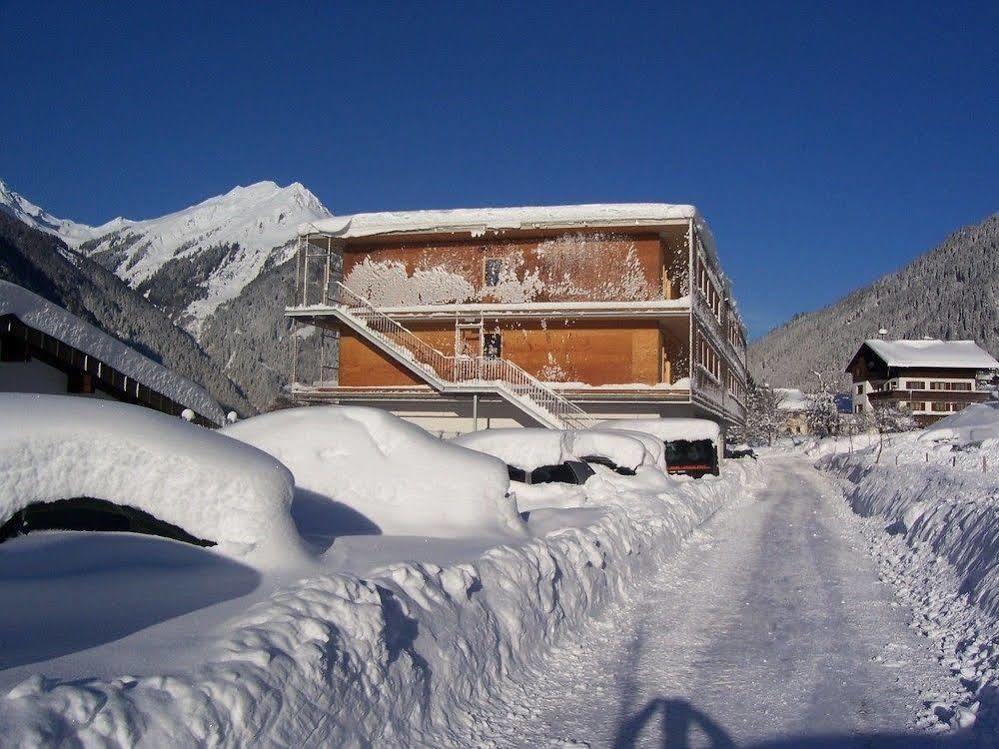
(492, 346)
(491, 269)
(950, 385)
(860, 388)
(917, 385)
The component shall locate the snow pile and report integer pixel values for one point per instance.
(479, 221)
(975, 423)
(395, 659)
(42, 315)
(60, 447)
(669, 429)
(529, 449)
(400, 478)
(941, 548)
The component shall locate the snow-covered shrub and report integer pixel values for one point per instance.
(59, 447)
(393, 473)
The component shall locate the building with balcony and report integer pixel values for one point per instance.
(560, 316)
(931, 378)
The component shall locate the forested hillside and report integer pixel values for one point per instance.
(952, 291)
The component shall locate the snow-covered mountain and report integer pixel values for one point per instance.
(189, 262)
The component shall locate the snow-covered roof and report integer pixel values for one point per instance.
(529, 449)
(668, 429)
(49, 318)
(479, 221)
(933, 353)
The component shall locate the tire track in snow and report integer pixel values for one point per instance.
(770, 624)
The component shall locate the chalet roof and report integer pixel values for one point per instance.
(929, 353)
(479, 221)
(40, 314)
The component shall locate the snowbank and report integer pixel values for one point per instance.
(42, 315)
(529, 449)
(954, 511)
(400, 478)
(395, 659)
(975, 423)
(56, 447)
(669, 429)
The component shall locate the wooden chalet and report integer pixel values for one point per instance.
(559, 316)
(931, 378)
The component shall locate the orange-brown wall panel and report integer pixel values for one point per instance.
(596, 353)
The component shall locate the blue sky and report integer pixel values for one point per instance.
(825, 145)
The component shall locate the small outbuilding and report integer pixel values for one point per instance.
(45, 349)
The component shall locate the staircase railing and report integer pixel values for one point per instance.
(506, 375)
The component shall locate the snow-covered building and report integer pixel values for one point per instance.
(497, 317)
(932, 378)
(45, 349)
(793, 406)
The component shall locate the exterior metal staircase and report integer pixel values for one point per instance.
(457, 374)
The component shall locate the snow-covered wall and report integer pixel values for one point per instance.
(395, 659)
(571, 267)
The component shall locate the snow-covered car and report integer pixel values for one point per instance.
(363, 471)
(692, 446)
(89, 464)
(536, 456)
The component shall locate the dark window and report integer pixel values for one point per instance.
(492, 346)
(491, 270)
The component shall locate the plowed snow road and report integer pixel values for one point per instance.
(769, 626)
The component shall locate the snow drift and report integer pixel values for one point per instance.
(669, 429)
(395, 474)
(529, 449)
(977, 422)
(936, 487)
(396, 659)
(56, 447)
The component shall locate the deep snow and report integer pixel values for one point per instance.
(378, 473)
(358, 646)
(529, 449)
(56, 447)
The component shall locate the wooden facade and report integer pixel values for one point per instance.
(627, 319)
